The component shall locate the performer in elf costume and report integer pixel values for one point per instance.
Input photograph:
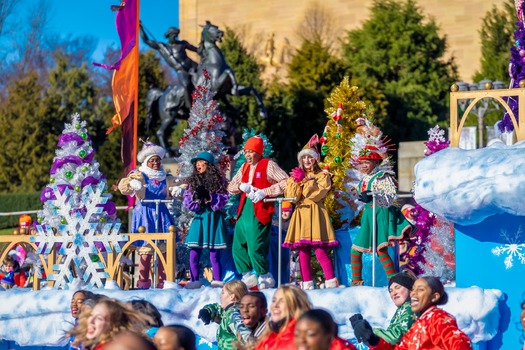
(257, 179)
(391, 224)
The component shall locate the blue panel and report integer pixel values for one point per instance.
(477, 263)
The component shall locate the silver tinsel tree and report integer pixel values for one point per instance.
(439, 252)
(204, 133)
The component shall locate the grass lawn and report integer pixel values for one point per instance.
(7, 231)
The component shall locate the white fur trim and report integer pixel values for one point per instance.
(150, 150)
(307, 151)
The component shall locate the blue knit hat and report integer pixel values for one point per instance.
(207, 156)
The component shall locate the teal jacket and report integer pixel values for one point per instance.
(231, 327)
(399, 325)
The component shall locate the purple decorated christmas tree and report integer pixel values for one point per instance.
(74, 170)
(516, 67)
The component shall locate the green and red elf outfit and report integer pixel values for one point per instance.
(258, 179)
(391, 224)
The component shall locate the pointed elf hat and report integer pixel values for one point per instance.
(149, 149)
(310, 149)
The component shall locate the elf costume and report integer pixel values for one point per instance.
(391, 224)
(251, 239)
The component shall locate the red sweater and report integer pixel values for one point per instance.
(434, 329)
(284, 340)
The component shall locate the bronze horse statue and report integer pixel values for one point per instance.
(172, 104)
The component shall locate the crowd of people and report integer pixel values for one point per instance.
(246, 321)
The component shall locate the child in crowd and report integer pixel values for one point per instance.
(310, 226)
(175, 337)
(12, 272)
(206, 195)
(399, 287)
(154, 317)
(227, 315)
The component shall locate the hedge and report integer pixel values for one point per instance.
(10, 202)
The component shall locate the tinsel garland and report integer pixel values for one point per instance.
(424, 220)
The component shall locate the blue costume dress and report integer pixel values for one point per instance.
(144, 213)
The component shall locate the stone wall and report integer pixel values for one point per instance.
(270, 28)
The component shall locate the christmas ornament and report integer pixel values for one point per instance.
(82, 154)
(102, 220)
(63, 221)
(84, 136)
(77, 188)
(78, 126)
(337, 159)
(84, 168)
(52, 180)
(69, 174)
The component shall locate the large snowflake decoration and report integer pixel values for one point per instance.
(76, 237)
(513, 250)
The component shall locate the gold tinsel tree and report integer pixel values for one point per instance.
(345, 106)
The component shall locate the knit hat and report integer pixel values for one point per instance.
(256, 144)
(9, 279)
(25, 221)
(207, 156)
(310, 149)
(287, 206)
(403, 279)
(149, 150)
(370, 152)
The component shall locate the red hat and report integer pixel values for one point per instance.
(370, 152)
(256, 144)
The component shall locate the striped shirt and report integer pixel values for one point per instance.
(274, 174)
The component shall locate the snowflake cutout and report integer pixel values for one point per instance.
(436, 134)
(512, 250)
(75, 239)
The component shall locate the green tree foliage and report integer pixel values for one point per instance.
(497, 36)
(299, 105)
(247, 73)
(401, 52)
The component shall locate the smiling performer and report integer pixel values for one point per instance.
(391, 225)
(310, 226)
(206, 196)
(149, 182)
(257, 179)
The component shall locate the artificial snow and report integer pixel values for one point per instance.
(467, 186)
(43, 317)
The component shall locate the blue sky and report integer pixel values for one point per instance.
(95, 18)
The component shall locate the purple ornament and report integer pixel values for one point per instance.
(522, 53)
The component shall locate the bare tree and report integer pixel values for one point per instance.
(7, 7)
(318, 25)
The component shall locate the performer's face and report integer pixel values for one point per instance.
(422, 296)
(278, 309)
(251, 157)
(308, 161)
(252, 312)
(398, 294)
(309, 335)
(154, 163)
(76, 303)
(366, 166)
(201, 166)
(98, 322)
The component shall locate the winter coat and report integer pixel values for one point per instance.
(434, 329)
(283, 340)
(310, 223)
(399, 325)
(341, 344)
(230, 325)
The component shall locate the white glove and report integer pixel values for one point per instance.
(176, 191)
(135, 185)
(257, 196)
(245, 187)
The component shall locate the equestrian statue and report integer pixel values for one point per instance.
(175, 102)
